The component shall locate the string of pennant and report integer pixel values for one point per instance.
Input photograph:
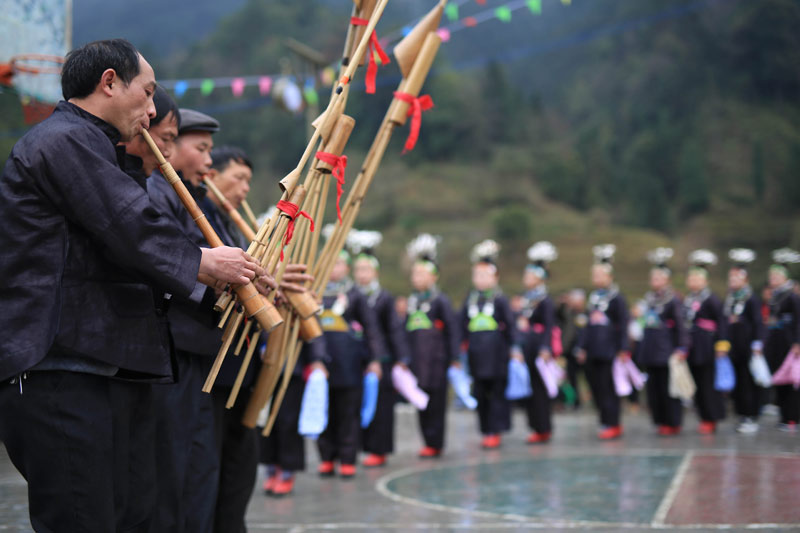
(327, 76)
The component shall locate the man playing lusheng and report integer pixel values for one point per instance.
(83, 339)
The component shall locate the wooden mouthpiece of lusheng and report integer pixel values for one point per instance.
(212, 375)
(289, 182)
(310, 329)
(408, 48)
(248, 356)
(258, 308)
(265, 382)
(304, 303)
(365, 11)
(338, 140)
(416, 77)
(223, 301)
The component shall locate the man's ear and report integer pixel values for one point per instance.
(108, 81)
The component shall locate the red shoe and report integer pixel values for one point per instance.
(347, 470)
(326, 468)
(668, 431)
(538, 438)
(613, 432)
(491, 442)
(283, 487)
(270, 482)
(707, 428)
(675, 430)
(429, 453)
(374, 460)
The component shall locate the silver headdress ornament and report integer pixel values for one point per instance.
(363, 241)
(328, 230)
(786, 256)
(703, 258)
(542, 252)
(660, 256)
(604, 253)
(424, 247)
(742, 256)
(266, 215)
(485, 251)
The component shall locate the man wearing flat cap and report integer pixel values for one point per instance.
(188, 465)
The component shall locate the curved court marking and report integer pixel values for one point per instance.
(536, 523)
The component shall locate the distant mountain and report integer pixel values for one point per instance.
(159, 27)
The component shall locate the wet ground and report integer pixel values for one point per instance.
(639, 483)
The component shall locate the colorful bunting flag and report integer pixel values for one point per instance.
(264, 85)
(535, 6)
(237, 86)
(444, 34)
(503, 13)
(180, 88)
(451, 11)
(207, 87)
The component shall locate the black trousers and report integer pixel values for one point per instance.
(432, 420)
(284, 447)
(599, 372)
(494, 411)
(747, 396)
(709, 402)
(84, 444)
(187, 460)
(788, 399)
(237, 450)
(379, 435)
(538, 405)
(340, 438)
(665, 410)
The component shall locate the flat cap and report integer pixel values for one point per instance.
(192, 120)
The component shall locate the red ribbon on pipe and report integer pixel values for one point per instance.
(293, 210)
(415, 109)
(373, 48)
(339, 164)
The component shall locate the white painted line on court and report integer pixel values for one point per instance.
(495, 526)
(672, 492)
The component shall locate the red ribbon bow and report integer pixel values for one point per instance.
(373, 48)
(293, 210)
(339, 164)
(415, 109)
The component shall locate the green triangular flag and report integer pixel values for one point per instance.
(207, 87)
(503, 13)
(535, 6)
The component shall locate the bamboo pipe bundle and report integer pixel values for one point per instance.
(248, 211)
(255, 306)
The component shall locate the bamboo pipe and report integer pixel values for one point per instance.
(248, 356)
(246, 230)
(255, 306)
(250, 215)
(212, 375)
(292, 352)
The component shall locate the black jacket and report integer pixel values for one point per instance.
(82, 247)
(606, 331)
(706, 327)
(783, 325)
(433, 338)
(745, 328)
(393, 330)
(192, 320)
(536, 331)
(488, 350)
(352, 338)
(664, 331)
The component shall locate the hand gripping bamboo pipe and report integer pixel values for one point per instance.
(256, 307)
